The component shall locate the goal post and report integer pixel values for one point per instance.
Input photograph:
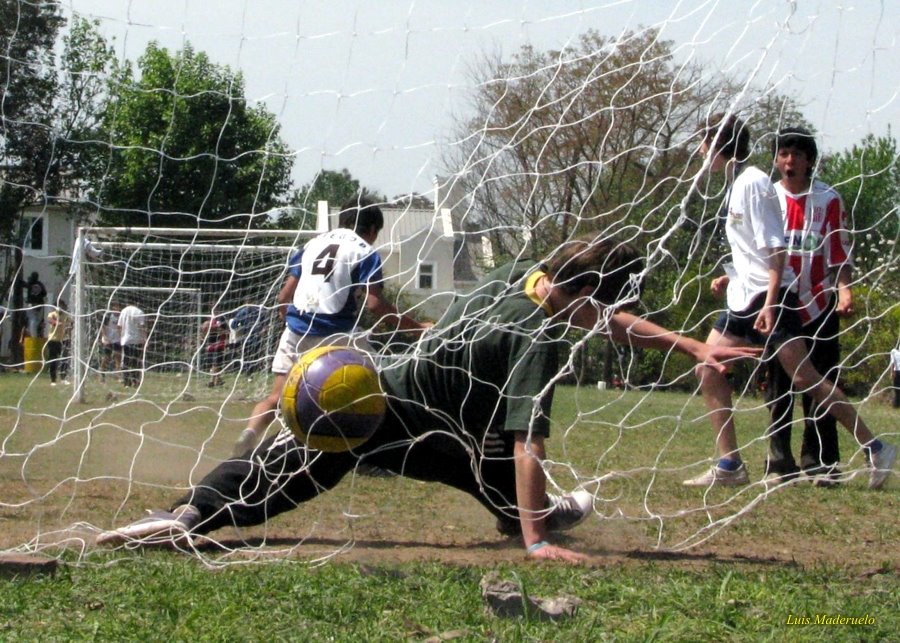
(181, 280)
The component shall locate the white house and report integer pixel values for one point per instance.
(49, 236)
(424, 257)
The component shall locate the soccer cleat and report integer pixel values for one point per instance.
(159, 528)
(717, 477)
(245, 443)
(567, 511)
(882, 463)
(824, 476)
(773, 480)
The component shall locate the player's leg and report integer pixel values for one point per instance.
(819, 452)
(483, 469)
(795, 359)
(780, 463)
(246, 492)
(264, 412)
(242, 493)
(53, 351)
(716, 392)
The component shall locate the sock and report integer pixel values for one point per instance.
(727, 464)
(189, 515)
(875, 446)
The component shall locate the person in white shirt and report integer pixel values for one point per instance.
(132, 327)
(110, 342)
(762, 309)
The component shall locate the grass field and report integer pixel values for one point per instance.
(388, 559)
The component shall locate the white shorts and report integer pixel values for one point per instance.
(291, 346)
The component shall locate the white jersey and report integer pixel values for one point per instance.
(754, 225)
(111, 334)
(329, 270)
(895, 359)
(818, 243)
(132, 326)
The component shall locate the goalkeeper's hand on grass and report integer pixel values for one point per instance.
(552, 552)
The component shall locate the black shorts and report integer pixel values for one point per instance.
(787, 320)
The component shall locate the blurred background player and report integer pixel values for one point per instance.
(110, 342)
(35, 298)
(762, 307)
(319, 300)
(818, 252)
(58, 329)
(133, 333)
(246, 331)
(215, 334)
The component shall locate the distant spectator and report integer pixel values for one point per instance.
(35, 298)
(245, 337)
(58, 321)
(132, 326)
(110, 342)
(215, 334)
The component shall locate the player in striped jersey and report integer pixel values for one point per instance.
(818, 250)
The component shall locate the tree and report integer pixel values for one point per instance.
(868, 178)
(28, 90)
(603, 137)
(328, 185)
(184, 147)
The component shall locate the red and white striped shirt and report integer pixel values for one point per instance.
(817, 239)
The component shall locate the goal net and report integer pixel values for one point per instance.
(207, 311)
(182, 152)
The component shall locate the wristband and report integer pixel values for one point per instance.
(538, 545)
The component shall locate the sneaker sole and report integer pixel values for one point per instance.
(157, 532)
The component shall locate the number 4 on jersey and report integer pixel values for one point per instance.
(324, 263)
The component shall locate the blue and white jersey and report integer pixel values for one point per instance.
(329, 269)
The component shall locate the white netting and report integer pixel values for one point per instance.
(208, 303)
(541, 122)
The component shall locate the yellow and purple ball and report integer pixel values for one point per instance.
(332, 398)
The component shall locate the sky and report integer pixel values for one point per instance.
(376, 86)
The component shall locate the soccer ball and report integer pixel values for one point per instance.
(332, 398)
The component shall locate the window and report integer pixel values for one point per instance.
(426, 276)
(34, 227)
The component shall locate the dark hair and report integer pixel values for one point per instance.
(729, 136)
(800, 139)
(360, 214)
(612, 268)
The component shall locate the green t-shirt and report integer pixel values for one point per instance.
(487, 363)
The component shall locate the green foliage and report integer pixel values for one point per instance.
(867, 340)
(335, 187)
(186, 148)
(28, 88)
(600, 136)
(868, 178)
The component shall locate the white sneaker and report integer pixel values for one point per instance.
(159, 528)
(245, 443)
(567, 511)
(717, 477)
(882, 463)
